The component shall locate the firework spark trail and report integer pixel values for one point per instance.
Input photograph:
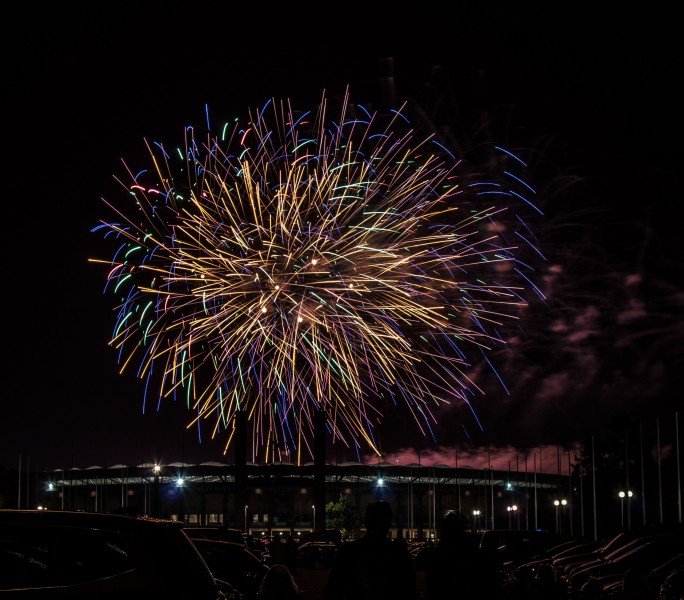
(300, 265)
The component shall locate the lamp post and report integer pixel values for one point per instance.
(564, 503)
(556, 503)
(511, 512)
(313, 520)
(476, 518)
(155, 492)
(622, 506)
(180, 482)
(559, 525)
(246, 518)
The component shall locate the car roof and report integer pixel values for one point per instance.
(234, 550)
(216, 533)
(228, 545)
(159, 547)
(79, 519)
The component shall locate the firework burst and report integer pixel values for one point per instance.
(295, 265)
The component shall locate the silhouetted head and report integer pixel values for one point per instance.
(278, 582)
(378, 517)
(634, 579)
(452, 527)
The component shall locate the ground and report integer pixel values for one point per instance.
(312, 582)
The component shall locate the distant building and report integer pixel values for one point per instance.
(289, 499)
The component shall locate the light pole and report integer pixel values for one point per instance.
(313, 521)
(556, 503)
(155, 492)
(246, 507)
(511, 512)
(564, 503)
(559, 525)
(622, 506)
(180, 482)
(476, 518)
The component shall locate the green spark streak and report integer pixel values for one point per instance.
(122, 280)
(122, 323)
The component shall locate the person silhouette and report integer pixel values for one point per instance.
(373, 566)
(635, 586)
(279, 584)
(544, 585)
(277, 551)
(291, 553)
(455, 567)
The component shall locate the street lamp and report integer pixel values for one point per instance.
(380, 482)
(622, 506)
(180, 483)
(557, 503)
(156, 470)
(313, 522)
(564, 503)
(476, 517)
(511, 511)
(246, 518)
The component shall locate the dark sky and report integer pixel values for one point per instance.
(595, 97)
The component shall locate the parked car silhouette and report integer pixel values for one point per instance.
(564, 564)
(233, 563)
(316, 554)
(64, 554)
(524, 577)
(610, 586)
(673, 586)
(646, 553)
(505, 549)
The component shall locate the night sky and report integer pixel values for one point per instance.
(592, 98)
